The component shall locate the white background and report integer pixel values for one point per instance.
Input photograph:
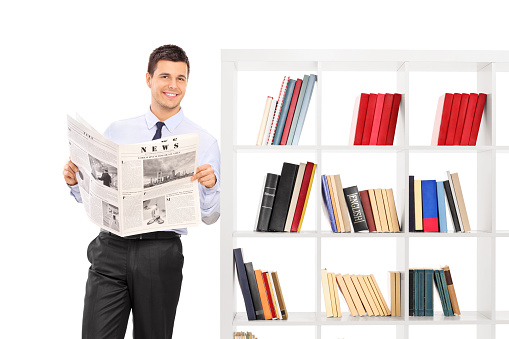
(91, 58)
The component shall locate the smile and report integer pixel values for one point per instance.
(170, 95)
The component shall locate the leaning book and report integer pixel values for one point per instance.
(136, 188)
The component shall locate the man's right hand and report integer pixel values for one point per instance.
(70, 170)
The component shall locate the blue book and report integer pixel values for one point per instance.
(304, 108)
(428, 292)
(298, 109)
(438, 285)
(328, 202)
(447, 298)
(284, 112)
(244, 283)
(442, 217)
(429, 206)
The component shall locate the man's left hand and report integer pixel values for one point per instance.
(205, 175)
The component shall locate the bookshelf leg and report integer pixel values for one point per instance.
(486, 331)
(402, 332)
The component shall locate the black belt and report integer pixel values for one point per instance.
(151, 235)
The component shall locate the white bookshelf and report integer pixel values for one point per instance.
(406, 67)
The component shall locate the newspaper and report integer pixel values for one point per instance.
(136, 188)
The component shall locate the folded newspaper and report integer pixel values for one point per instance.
(136, 188)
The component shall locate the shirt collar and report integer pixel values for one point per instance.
(170, 123)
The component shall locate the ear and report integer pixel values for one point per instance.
(148, 79)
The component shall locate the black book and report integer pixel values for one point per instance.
(255, 293)
(244, 285)
(411, 302)
(452, 207)
(283, 197)
(353, 201)
(411, 205)
(269, 192)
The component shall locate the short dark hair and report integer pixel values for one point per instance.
(166, 52)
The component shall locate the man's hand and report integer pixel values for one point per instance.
(70, 170)
(205, 175)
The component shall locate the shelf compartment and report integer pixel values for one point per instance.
(294, 319)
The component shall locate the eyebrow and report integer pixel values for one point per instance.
(170, 74)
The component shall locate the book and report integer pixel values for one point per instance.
(263, 294)
(411, 204)
(333, 202)
(442, 217)
(418, 205)
(346, 295)
(368, 210)
(428, 292)
(304, 108)
(452, 292)
(283, 197)
(381, 210)
(295, 197)
(307, 197)
(445, 289)
(269, 295)
(453, 120)
(370, 115)
(284, 112)
(377, 290)
(333, 296)
(394, 214)
(387, 209)
(377, 119)
(244, 285)
(438, 285)
(442, 120)
(298, 109)
(255, 293)
(479, 108)
(273, 295)
(419, 291)
(353, 293)
(411, 295)
(374, 210)
(336, 206)
(384, 122)
(461, 118)
(368, 295)
(299, 209)
(279, 293)
(394, 119)
(328, 203)
(398, 294)
(361, 294)
(355, 209)
(291, 112)
(377, 303)
(461, 202)
(269, 192)
(342, 202)
(277, 113)
(429, 206)
(469, 119)
(326, 294)
(272, 112)
(392, 292)
(263, 124)
(452, 206)
(358, 119)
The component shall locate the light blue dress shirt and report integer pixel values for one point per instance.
(142, 128)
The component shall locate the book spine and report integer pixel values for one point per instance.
(477, 119)
(411, 291)
(452, 206)
(269, 192)
(272, 112)
(269, 295)
(279, 293)
(327, 201)
(307, 197)
(445, 116)
(284, 112)
(411, 204)
(452, 292)
(438, 285)
(453, 120)
(263, 294)
(419, 290)
(304, 109)
(367, 210)
(283, 197)
(291, 112)
(326, 293)
(386, 117)
(418, 205)
(244, 285)
(456, 196)
(377, 119)
(275, 119)
(265, 117)
(370, 115)
(355, 209)
(447, 298)
(359, 117)
(461, 119)
(469, 119)
(298, 109)
(302, 196)
(429, 206)
(394, 119)
(255, 294)
(428, 293)
(442, 217)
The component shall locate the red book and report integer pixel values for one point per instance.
(269, 296)
(359, 118)
(291, 112)
(442, 120)
(377, 119)
(302, 196)
(461, 119)
(368, 212)
(469, 119)
(479, 108)
(453, 120)
(368, 123)
(394, 119)
(386, 117)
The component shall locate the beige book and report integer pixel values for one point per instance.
(377, 305)
(279, 293)
(332, 296)
(295, 197)
(355, 296)
(361, 295)
(368, 295)
(398, 294)
(335, 204)
(461, 202)
(381, 210)
(326, 293)
(392, 292)
(380, 294)
(418, 205)
(346, 295)
(394, 214)
(374, 209)
(261, 132)
(336, 294)
(370, 284)
(342, 203)
(387, 210)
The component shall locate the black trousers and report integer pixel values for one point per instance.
(142, 275)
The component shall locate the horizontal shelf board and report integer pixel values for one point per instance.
(254, 234)
(330, 234)
(277, 66)
(348, 319)
(362, 66)
(275, 149)
(502, 234)
(450, 149)
(502, 317)
(472, 234)
(439, 319)
(362, 235)
(502, 149)
(294, 318)
(367, 149)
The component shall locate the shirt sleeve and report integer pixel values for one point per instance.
(210, 197)
(75, 192)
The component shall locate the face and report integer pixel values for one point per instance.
(168, 86)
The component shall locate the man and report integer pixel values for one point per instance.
(105, 178)
(144, 273)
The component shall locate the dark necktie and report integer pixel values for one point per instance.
(159, 125)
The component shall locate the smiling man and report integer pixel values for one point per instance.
(143, 274)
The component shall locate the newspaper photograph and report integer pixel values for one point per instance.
(136, 188)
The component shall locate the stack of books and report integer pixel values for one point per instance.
(361, 293)
(372, 209)
(458, 119)
(283, 118)
(421, 291)
(259, 289)
(427, 205)
(244, 335)
(285, 197)
(375, 117)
